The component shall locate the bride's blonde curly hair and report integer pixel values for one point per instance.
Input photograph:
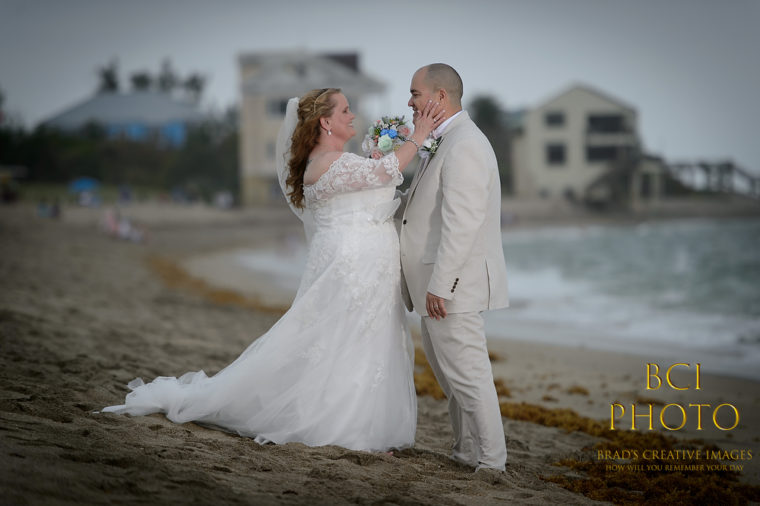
(312, 106)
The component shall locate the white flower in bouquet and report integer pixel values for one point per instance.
(367, 144)
(385, 143)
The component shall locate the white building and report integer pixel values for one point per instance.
(267, 81)
(582, 145)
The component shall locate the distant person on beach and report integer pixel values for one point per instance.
(337, 368)
(453, 264)
(119, 226)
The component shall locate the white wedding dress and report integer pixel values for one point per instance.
(336, 369)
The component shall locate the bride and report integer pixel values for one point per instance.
(336, 368)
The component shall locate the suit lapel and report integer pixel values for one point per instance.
(455, 124)
(423, 166)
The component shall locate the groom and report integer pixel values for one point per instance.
(453, 264)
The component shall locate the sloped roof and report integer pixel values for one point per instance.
(292, 73)
(588, 89)
(147, 108)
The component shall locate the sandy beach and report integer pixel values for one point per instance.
(82, 314)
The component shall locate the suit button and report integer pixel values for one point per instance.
(452, 290)
(403, 222)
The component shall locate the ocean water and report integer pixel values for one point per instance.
(687, 289)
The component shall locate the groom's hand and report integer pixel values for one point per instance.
(436, 306)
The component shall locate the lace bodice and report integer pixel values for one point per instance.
(350, 173)
(354, 190)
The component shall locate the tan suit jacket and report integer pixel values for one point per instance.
(450, 230)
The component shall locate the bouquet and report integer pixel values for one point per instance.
(385, 135)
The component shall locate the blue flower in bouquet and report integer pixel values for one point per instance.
(390, 132)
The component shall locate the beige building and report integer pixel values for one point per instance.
(267, 81)
(583, 145)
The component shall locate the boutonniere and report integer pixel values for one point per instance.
(429, 147)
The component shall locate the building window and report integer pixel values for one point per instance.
(602, 153)
(647, 185)
(606, 123)
(555, 154)
(554, 119)
(276, 107)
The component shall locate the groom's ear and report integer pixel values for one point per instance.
(441, 95)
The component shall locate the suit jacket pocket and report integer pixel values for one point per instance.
(429, 258)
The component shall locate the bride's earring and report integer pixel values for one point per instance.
(329, 132)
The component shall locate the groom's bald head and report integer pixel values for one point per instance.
(437, 82)
(440, 76)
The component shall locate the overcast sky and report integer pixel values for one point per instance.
(691, 68)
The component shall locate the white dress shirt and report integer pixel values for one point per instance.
(442, 127)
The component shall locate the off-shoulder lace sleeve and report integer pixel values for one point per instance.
(352, 172)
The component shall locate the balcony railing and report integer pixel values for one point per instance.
(600, 130)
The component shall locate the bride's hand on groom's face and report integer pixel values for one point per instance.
(428, 118)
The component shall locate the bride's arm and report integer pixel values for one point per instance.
(348, 172)
(369, 173)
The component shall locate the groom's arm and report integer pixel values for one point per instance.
(465, 180)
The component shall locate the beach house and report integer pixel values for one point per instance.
(267, 81)
(583, 145)
(138, 116)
